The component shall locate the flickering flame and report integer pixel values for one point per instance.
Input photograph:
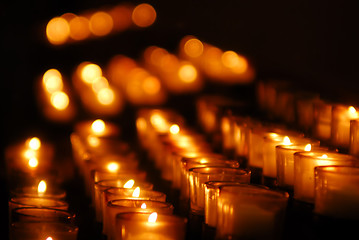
(113, 167)
(143, 206)
(174, 129)
(98, 126)
(129, 184)
(59, 100)
(90, 72)
(193, 47)
(34, 143)
(286, 140)
(41, 188)
(187, 73)
(308, 147)
(152, 218)
(105, 96)
(144, 15)
(136, 192)
(33, 162)
(352, 112)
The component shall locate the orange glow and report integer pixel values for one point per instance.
(34, 143)
(113, 167)
(152, 218)
(156, 54)
(136, 192)
(187, 73)
(121, 16)
(79, 28)
(98, 126)
(174, 129)
(234, 61)
(106, 96)
(57, 30)
(193, 48)
(52, 80)
(99, 83)
(33, 162)
(93, 141)
(101, 23)
(144, 15)
(90, 72)
(59, 100)
(151, 85)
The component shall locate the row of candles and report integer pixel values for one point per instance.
(104, 91)
(70, 27)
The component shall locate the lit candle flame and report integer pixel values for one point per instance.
(34, 143)
(98, 126)
(41, 188)
(308, 147)
(352, 112)
(136, 192)
(33, 162)
(286, 140)
(129, 184)
(324, 156)
(49, 238)
(174, 129)
(93, 141)
(113, 167)
(152, 218)
(143, 206)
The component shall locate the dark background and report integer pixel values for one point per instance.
(311, 43)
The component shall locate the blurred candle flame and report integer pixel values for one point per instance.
(152, 218)
(136, 192)
(308, 147)
(98, 126)
(41, 188)
(129, 184)
(143, 206)
(113, 167)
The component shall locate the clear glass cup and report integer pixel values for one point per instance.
(250, 212)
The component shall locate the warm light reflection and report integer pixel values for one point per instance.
(106, 96)
(90, 72)
(143, 206)
(59, 100)
(136, 192)
(129, 184)
(144, 15)
(308, 147)
(193, 48)
(152, 218)
(79, 28)
(113, 167)
(101, 23)
(98, 126)
(41, 188)
(57, 30)
(34, 143)
(187, 73)
(33, 162)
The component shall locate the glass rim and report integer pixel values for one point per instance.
(16, 200)
(64, 214)
(164, 204)
(221, 170)
(254, 190)
(331, 155)
(338, 170)
(169, 219)
(112, 189)
(107, 183)
(218, 184)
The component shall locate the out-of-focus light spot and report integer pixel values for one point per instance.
(113, 167)
(234, 61)
(79, 28)
(352, 112)
(308, 147)
(99, 84)
(121, 16)
(187, 73)
(59, 100)
(101, 23)
(157, 54)
(152, 218)
(193, 47)
(41, 188)
(136, 192)
(93, 141)
(105, 96)
(129, 184)
(57, 30)
(98, 126)
(33, 162)
(151, 85)
(144, 15)
(90, 72)
(143, 206)
(29, 153)
(174, 129)
(52, 80)
(34, 143)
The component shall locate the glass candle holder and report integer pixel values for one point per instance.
(199, 176)
(284, 106)
(322, 120)
(115, 207)
(101, 186)
(250, 212)
(211, 190)
(138, 226)
(340, 125)
(305, 110)
(304, 164)
(51, 192)
(336, 192)
(354, 138)
(189, 163)
(42, 223)
(285, 161)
